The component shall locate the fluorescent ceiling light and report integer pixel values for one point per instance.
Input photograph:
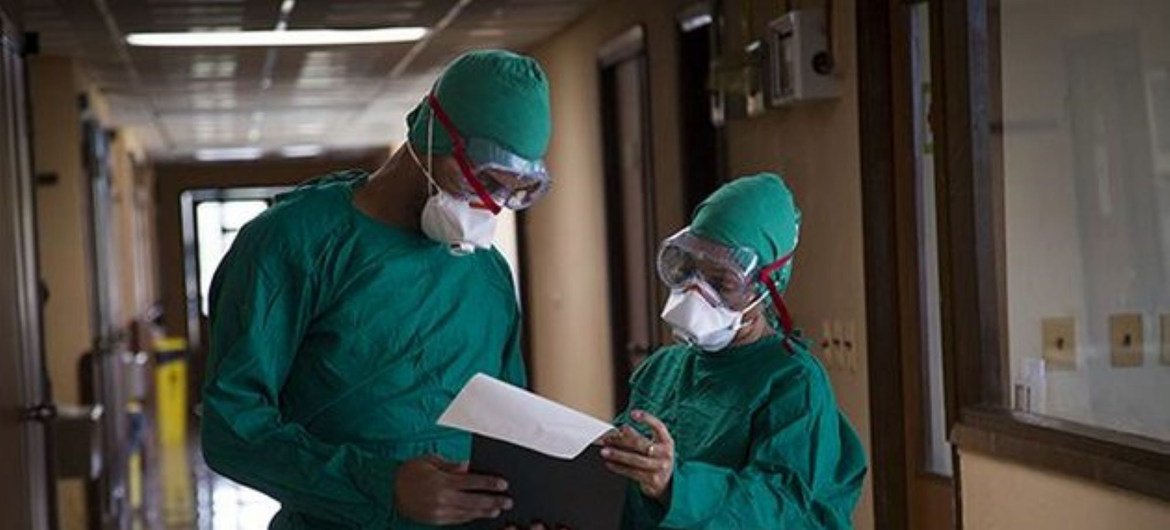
(228, 153)
(301, 151)
(295, 37)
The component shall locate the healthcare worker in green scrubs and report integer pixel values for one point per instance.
(736, 427)
(347, 316)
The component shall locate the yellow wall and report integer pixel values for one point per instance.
(999, 495)
(817, 146)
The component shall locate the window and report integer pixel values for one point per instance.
(1087, 210)
(1057, 233)
(216, 223)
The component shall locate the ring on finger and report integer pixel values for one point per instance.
(650, 449)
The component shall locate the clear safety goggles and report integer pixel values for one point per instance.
(686, 260)
(494, 175)
(725, 276)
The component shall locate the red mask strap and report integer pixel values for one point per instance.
(778, 300)
(485, 198)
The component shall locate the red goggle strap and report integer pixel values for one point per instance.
(486, 201)
(778, 300)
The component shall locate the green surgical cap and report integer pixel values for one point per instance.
(757, 212)
(491, 94)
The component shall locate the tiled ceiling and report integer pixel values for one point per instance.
(179, 100)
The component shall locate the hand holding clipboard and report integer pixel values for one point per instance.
(547, 453)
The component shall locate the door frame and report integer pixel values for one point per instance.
(629, 44)
(32, 507)
(891, 245)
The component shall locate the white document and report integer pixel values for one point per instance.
(489, 407)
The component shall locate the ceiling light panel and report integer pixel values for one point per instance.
(205, 98)
(229, 153)
(298, 37)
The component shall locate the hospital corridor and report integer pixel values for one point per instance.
(585, 264)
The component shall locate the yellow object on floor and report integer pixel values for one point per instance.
(178, 498)
(136, 480)
(171, 391)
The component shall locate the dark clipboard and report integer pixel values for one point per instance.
(580, 494)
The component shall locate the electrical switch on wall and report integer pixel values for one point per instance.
(1126, 339)
(1060, 343)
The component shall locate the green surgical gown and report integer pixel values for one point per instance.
(336, 342)
(759, 440)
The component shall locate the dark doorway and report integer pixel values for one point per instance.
(913, 464)
(625, 110)
(704, 148)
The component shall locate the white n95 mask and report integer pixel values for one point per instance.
(700, 323)
(453, 221)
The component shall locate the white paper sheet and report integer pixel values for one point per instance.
(489, 407)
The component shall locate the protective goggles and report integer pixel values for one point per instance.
(497, 177)
(686, 260)
(725, 275)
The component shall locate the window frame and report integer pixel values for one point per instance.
(971, 251)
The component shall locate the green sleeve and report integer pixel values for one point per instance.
(803, 471)
(261, 305)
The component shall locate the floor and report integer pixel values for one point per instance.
(192, 497)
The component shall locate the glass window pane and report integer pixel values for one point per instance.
(1086, 182)
(216, 226)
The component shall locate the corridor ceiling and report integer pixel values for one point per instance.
(180, 100)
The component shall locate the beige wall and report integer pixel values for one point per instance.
(62, 225)
(565, 233)
(998, 495)
(61, 220)
(816, 146)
